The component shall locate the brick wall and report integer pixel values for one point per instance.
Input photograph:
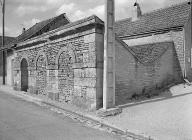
(132, 77)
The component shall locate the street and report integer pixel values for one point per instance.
(21, 120)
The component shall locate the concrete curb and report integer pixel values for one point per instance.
(96, 122)
(89, 120)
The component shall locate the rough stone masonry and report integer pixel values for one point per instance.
(66, 65)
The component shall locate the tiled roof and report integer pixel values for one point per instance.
(73, 26)
(8, 40)
(149, 53)
(41, 25)
(170, 17)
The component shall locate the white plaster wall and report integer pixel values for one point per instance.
(9, 78)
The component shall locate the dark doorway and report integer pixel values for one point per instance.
(24, 75)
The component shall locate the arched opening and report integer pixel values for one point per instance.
(24, 75)
(65, 76)
(41, 79)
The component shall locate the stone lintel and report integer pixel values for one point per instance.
(52, 67)
(83, 65)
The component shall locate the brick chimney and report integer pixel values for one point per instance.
(137, 13)
(23, 30)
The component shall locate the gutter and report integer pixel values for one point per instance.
(152, 32)
(184, 55)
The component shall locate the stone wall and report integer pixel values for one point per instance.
(135, 78)
(68, 69)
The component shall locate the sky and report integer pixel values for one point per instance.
(25, 13)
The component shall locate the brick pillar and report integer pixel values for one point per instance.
(109, 57)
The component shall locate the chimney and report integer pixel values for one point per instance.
(23, 30)
(137, 13)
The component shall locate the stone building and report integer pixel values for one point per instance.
(64, 64)
(63, 60)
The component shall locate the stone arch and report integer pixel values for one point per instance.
(24, 74)
(41, 53)
(65, 60)
(41, 73)
(70, 51)
(24, 57)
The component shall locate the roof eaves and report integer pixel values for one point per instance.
(152, 32)
(48, 22)
(65, 28)
(70, 26)
(51, 20)
(64, 14)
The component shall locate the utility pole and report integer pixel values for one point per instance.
(109, 57)
(3, 40)
(190, 3)
(109, 107)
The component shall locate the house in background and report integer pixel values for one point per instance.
(63, 60)
(156, 52)
(8, 40)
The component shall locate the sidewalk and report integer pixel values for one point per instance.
(164, 117)
(90, 118)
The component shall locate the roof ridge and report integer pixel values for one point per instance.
(169, 18)
(77, 22)
(156, 10)
(71, 24)
(49, 20)
(165, 8)
(38, 23)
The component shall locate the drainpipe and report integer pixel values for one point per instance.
(184, 49)
(3, 39)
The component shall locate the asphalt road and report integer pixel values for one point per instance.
(21, 120)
